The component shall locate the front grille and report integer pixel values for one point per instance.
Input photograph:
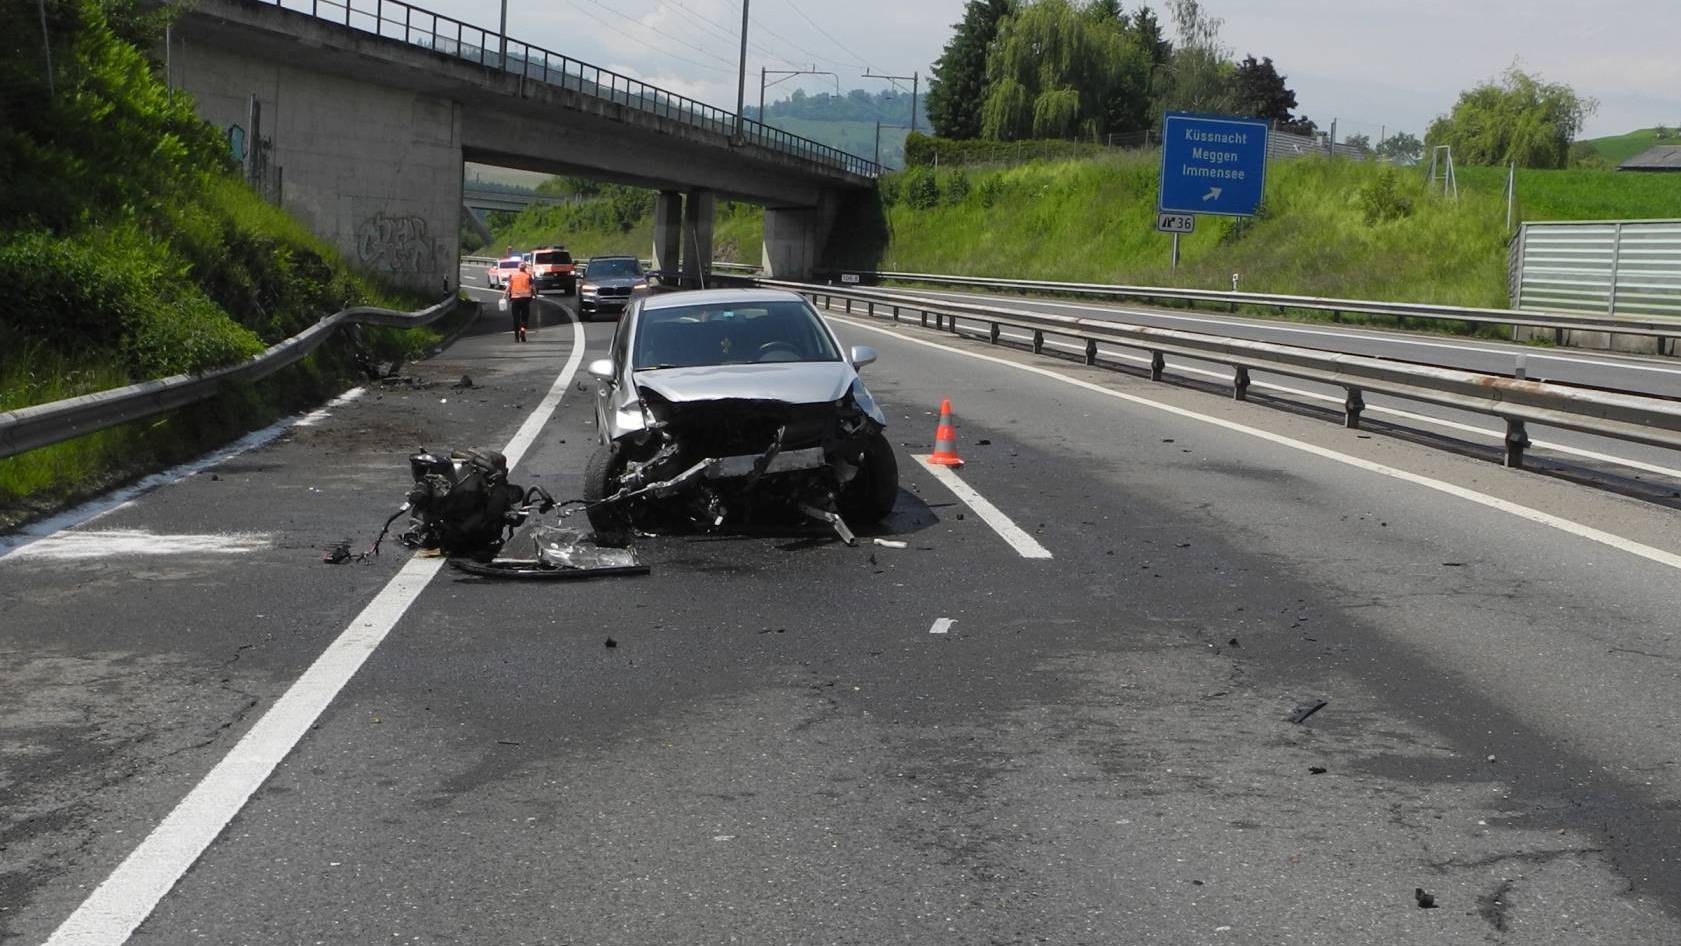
(615, 291)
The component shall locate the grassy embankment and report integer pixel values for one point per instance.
(1616, 149)
(131, 250)
(1332, 228)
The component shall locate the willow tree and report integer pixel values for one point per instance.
(1056, 72)
(1520, 119)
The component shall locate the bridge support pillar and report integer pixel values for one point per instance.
(698, 208)
(668, 231)
(477, 223)
(790, 242)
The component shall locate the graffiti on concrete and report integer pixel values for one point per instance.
(394, 244)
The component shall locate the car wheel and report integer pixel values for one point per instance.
(871, 494)
(601, 479)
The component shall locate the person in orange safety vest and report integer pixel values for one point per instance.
(519, 292)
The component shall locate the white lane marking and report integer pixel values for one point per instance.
(1269, 324)
(941, 625)
(1491, 434)
(315, 417)
(1025, 545)
(123, 901)
(123, 498)
(1650, 553)
(114, 544)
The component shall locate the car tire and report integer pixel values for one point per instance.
(601, 479)
(869, 498)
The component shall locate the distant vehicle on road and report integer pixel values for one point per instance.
(608, 283)
(723, 407)
(552, 268)
(498, 272)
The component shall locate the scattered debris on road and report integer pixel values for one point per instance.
(1426, 901)
(890, 544)
(1303, 710)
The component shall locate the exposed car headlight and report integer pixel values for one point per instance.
(639, 284)
(588, 289)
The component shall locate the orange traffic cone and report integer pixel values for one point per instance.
(945, 439)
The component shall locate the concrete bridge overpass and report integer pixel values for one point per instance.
(358, 116)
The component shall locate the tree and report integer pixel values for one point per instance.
(1057, 72)
(1198, 74)
(1401, 148)
(1260, 91)
(958, 84)
(1361, 143)
(1517, 119)
(1147, 32)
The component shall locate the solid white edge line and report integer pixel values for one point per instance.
(122, 498)
(1025, 545)
(1496, 435)
(941, 625)
(1650, 553)
(117, 907)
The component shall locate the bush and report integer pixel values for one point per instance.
(925, 151)
(922, 190)
(991, 191)
(889, 187)
(956, 189)
(1382, 198)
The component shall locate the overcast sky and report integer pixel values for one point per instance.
(1372, 64)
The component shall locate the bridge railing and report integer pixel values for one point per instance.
(393, 19)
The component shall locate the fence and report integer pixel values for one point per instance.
(411, 25)
(1617, 268)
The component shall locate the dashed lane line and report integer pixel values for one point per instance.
(110, 915)
(1580, 530)
(1025, 545)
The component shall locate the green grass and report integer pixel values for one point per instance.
(1616, 149)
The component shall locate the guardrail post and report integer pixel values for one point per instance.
(1352, 406)
(939, 321)
(1038, 342)
(992, 333)
(895, 313)
(849, 307)
(870, 309)
(1517, 440)
(924, 318)
(1240, 383)
(1091, 351)
(1157, 363)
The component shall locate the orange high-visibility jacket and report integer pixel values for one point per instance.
(519, 285)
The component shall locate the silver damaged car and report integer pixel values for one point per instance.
(728, 408)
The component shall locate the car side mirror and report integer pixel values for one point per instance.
(863, 355)
(601, 369)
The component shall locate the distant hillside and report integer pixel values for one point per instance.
(1616, 149)
(848, 121)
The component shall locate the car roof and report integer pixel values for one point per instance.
(516, 260)
(624, 256)
(670, 300)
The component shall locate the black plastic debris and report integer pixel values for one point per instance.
(983, 443)
(339, 554)
(465, 382)
(1304, 710)
(1316, 770)
(1426, 901)
(612, 643)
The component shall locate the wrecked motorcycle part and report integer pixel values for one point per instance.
(564, 548)
(530, 569)
(834, 520)
(463, 504)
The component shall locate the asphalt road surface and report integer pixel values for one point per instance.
(780, 739)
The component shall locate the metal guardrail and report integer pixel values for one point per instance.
(393, 19)
(1630, 417)
(43, 424)
(1657, 326)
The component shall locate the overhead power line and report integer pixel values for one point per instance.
(642, 40)
(827, 35)
(725, 33)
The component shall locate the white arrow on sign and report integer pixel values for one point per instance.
(1213, 194)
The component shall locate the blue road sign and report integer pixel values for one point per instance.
(1212, 164)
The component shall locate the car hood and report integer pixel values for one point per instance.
(805, 382)
(614, 282)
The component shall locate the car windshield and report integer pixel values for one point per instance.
(510, 263)
(730, 334)
(553, 258)
(612, 266)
